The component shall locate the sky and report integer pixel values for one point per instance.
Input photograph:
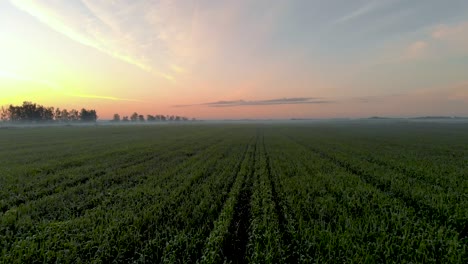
(236, 59)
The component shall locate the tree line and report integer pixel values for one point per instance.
(36, 113)
(135, 117)
(32, 112)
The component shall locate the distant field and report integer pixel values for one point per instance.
(271, 193)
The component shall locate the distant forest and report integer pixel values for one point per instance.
(135, 117)
(30, 112)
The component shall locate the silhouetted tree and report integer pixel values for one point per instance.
(150, 118)
(64, 115)
(47, 113)
(32, 112)
(88, 115)
(116, 118)
(134, 117)
(29, 112)
(14, 113)
(74, 115)
(58, 114)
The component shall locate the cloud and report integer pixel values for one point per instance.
(298, 101)
(57, 89)
(177, 69)
(177, 40)
(454, 36)
(280, 101)
(441, 40)
(447, 32)
(91, 96)
(373, 99)
(415, 50)
(89, 24)
(361, 11)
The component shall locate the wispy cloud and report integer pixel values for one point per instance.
(88, 25)
(415, 50)
(177, 69)
(91, 96)
(360, 11)
(374, 99)
(280, 101)
(442, 40)
(56, 88)
(454, 36)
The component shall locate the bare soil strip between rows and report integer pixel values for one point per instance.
(286, 238)
(235, 246)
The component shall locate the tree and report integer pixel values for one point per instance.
(58, 114)
(30, 112)
(64, 115)
(47, 113)
(74, 115)
(116, 118)
(88, 115)
(125, 119)
(150, 118)
(14, 113)
(134, 117)
(141, 118)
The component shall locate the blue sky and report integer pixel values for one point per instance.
(363, 57)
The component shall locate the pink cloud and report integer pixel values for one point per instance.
(453, 38)
(416, 50)
(447, 32)
(442, 40)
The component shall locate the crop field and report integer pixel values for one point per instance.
(236, 193)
